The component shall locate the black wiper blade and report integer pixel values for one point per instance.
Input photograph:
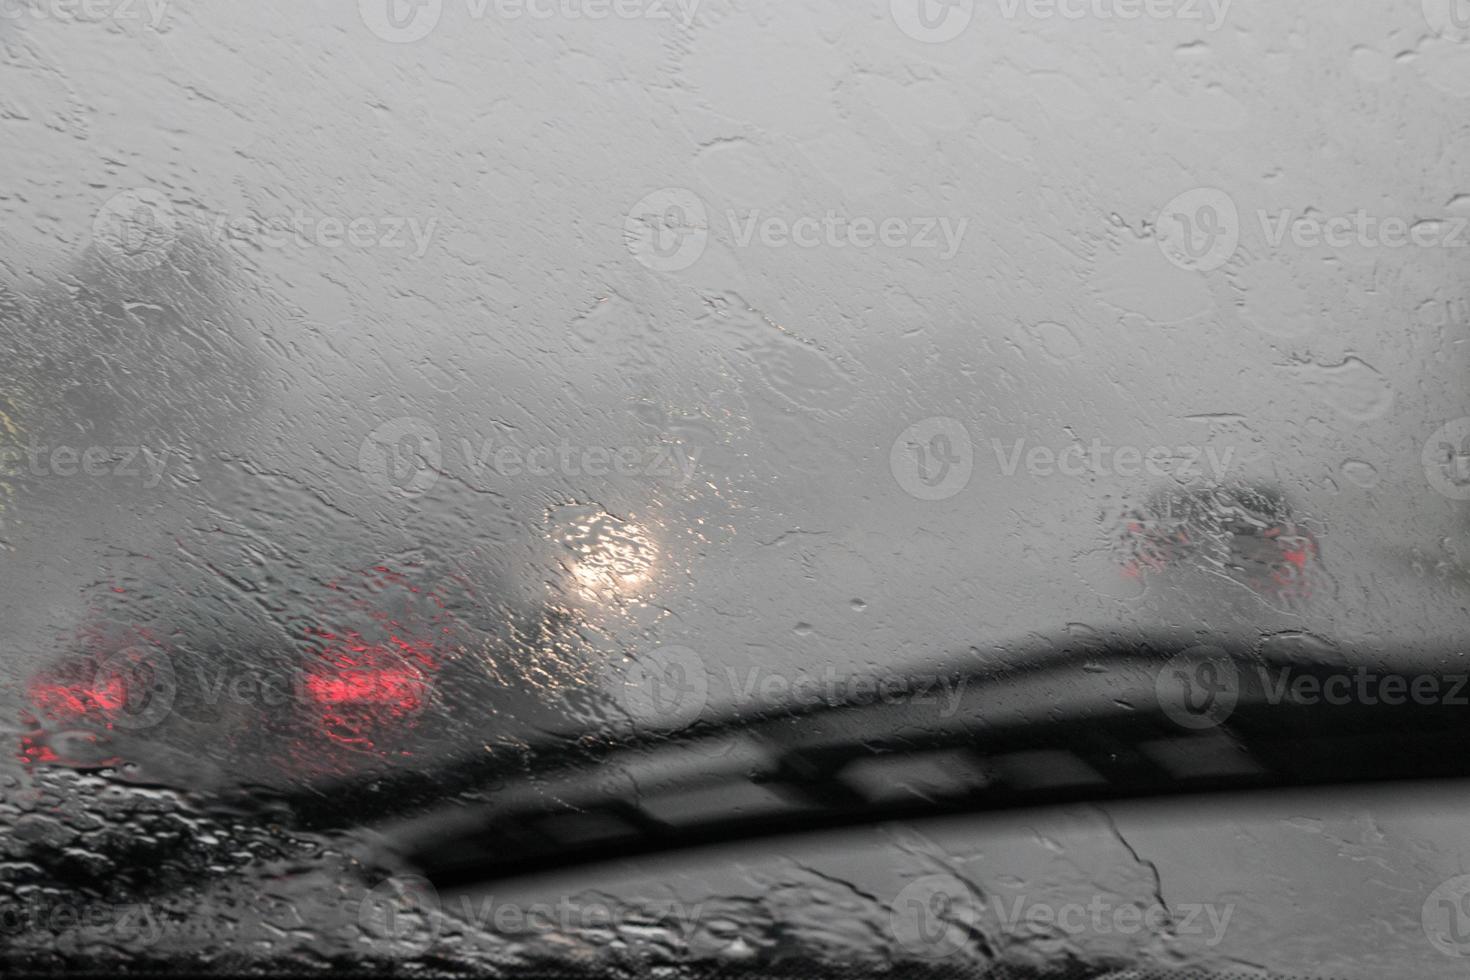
(1085, 725)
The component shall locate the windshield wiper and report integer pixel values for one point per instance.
(1062, 725)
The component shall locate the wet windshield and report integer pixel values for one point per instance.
(400, 386)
